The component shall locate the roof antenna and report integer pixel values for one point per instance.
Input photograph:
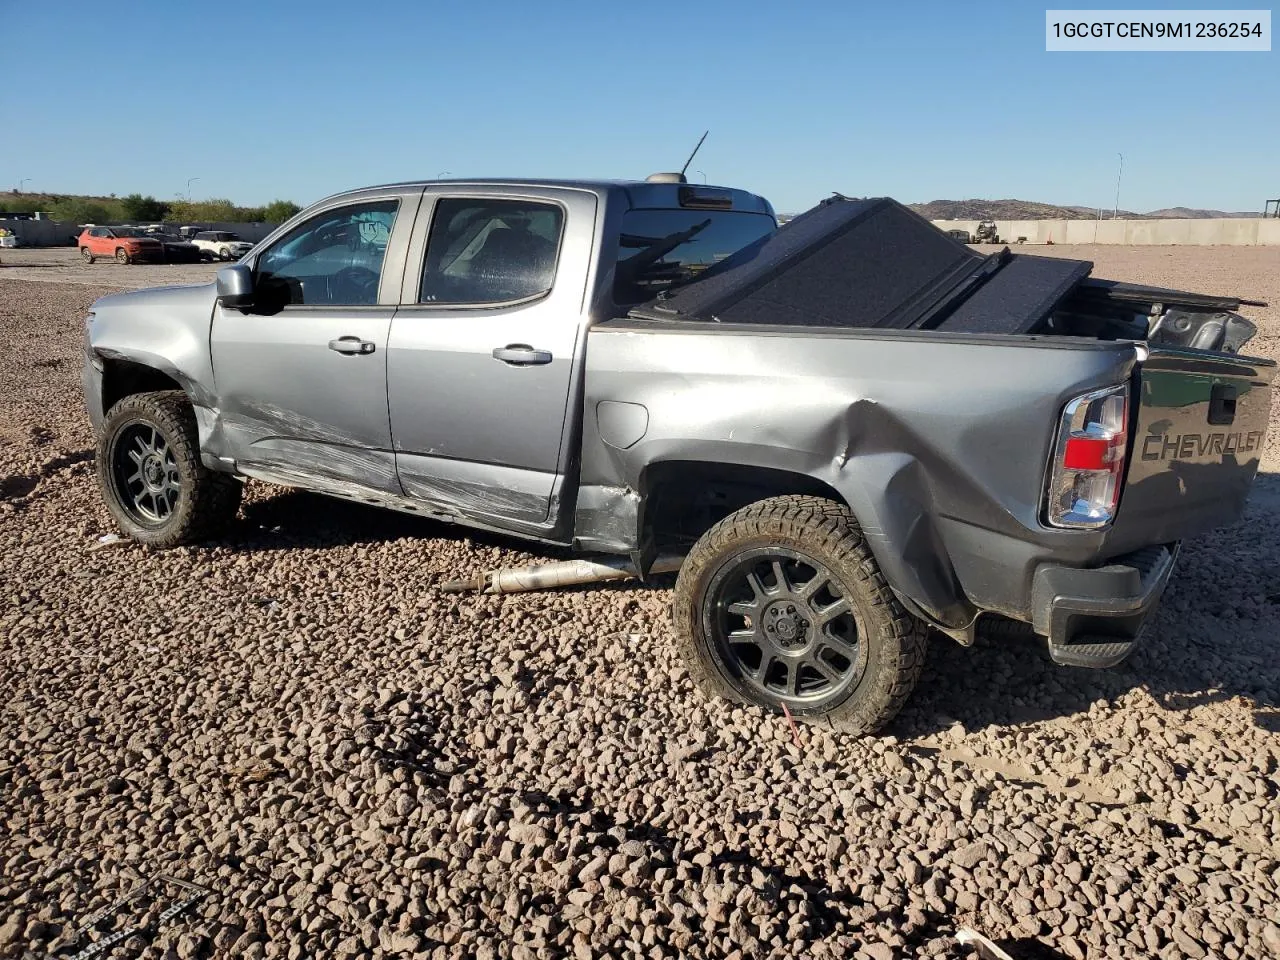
(694, 154)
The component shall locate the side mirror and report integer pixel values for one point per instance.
(235, 285)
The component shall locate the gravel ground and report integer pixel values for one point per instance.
(358, 765)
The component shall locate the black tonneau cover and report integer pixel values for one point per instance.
(872, 263)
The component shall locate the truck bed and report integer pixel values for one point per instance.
(939, 440)
(875, 264)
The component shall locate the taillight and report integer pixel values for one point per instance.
(1088, 459)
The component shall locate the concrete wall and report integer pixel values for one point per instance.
(1225, 231)
(59, 233)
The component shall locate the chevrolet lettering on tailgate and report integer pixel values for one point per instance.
(1194, 446)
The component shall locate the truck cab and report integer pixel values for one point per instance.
(421, 345)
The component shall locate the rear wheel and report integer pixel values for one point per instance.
(151, 476)
(88, 257)
(122, 255)
(782, 604)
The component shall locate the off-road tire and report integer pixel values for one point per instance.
(86, 255)
(207, 502)
(122, 255)
(828, 532)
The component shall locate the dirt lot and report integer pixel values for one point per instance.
(358, 765)
(63, 265)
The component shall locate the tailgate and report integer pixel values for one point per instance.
(1201, 427)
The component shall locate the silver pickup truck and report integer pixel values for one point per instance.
(851, 429)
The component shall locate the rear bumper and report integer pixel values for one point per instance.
(1095, 617)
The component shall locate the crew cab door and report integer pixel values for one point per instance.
(301, 377)
(481, 356)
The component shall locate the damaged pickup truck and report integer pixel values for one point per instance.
(847, 430)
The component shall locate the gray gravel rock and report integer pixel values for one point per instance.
(360, 766)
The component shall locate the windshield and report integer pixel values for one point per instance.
(659, 249)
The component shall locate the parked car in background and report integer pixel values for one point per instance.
(222, 244)
(125, 244)
(178, 250)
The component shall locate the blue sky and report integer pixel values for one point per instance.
(916, 101)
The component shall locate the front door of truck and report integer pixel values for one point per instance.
(481, 355)
(301, 377)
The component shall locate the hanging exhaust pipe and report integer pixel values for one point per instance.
(549, 576)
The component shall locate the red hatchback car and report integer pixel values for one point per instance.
(126, 244)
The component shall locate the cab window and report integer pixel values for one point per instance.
(661, 249)
(334, 259)
(490, 251)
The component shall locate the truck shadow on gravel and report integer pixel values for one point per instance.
(1185, 662)
(298, 519)
(1212, 641)
(1010, 683)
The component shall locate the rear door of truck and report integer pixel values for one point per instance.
(1200, 428)
(481, 354)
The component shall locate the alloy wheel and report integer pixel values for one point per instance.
(784, 628)
(146, 474)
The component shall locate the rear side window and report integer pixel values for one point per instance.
(659, 249)
(490, 251)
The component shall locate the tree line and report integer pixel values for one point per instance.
(135, 208)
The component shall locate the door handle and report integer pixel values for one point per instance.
(521, 355)
(352, 346)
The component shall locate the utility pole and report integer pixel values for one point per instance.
(189, 182)
(1116, 212)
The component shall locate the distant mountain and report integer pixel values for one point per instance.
(1030, 210)
(1191, 213)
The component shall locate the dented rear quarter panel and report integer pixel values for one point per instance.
(937, 442)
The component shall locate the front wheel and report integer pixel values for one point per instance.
(224, 253)
(122, 255)
(151, 477)
(782, 604)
